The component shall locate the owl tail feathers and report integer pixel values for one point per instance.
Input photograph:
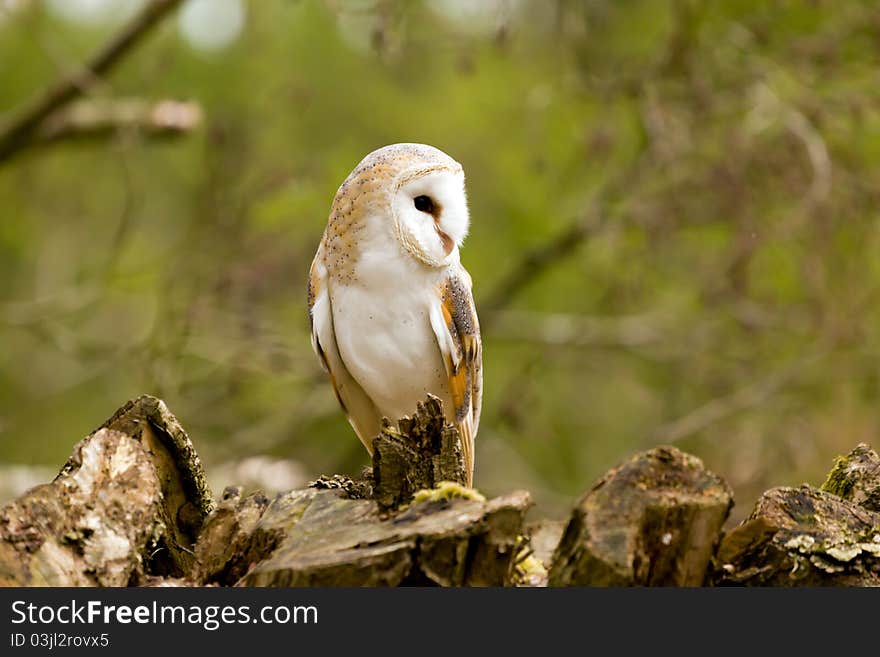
(467, 448)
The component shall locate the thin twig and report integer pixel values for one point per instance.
(741, 400)
(560, 329)
(18, 131)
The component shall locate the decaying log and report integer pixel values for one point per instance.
(131, 501)
(127, 505)
(422, 451)
(132, 507)
(809, 537)
(327, 539)
(856, 477)
(354, 532)
(653, 521)
(88, 527)
(186, 496)
(227, 546)
(322, 537)
(544, 535)
(371, 532)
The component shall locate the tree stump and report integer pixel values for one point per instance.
(327, 539)
(419, 453)
(127, 505)
(653, 521)
(810, 537)
(131, 507)
(856, 478)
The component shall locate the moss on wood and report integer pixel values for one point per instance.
(802, 536)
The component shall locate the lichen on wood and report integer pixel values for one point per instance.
(186, 496)
(802, 537)
(806, 536)
(355, 489)
(148, 412)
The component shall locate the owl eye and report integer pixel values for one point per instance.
(424, 204)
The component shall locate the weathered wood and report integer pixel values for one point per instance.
(89, 527)
(810, 537)
(330, 540)
(856, 477)
(802, 537)
(131, 507)
(224, 549)
(544, 535)
(408, 521)
(419, 453)
(186, 496)
(653, 521)
(127, 505)
(130, 502)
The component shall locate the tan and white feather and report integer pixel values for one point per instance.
(391, 306)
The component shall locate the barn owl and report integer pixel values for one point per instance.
(390, 304)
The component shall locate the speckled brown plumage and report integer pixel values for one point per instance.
(367, 187)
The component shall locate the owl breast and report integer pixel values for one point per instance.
(381, 317)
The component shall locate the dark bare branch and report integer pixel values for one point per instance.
(19, 129)
(536, 261)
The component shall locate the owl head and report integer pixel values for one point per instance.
(414, 191)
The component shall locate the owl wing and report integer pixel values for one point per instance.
(454, 320)
(358, 407)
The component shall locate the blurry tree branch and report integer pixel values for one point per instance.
(594, 218)
(23, 126)
(721, 408)
(536, 261)
(768, 109)
(101, 118)
(578, 330)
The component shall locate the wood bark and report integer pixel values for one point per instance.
(807, 536)
(126, 505)
(322, 538)
(856, 477)
(422, 451)
(132, 507)
(653, 521)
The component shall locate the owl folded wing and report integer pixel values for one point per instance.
(358, 407)
(454, 320)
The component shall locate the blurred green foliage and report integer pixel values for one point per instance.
(723, 160)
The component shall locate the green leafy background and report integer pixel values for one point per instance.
(720, 158)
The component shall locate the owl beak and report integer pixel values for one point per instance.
(448, 242)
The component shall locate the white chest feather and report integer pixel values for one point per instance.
(381, 318)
